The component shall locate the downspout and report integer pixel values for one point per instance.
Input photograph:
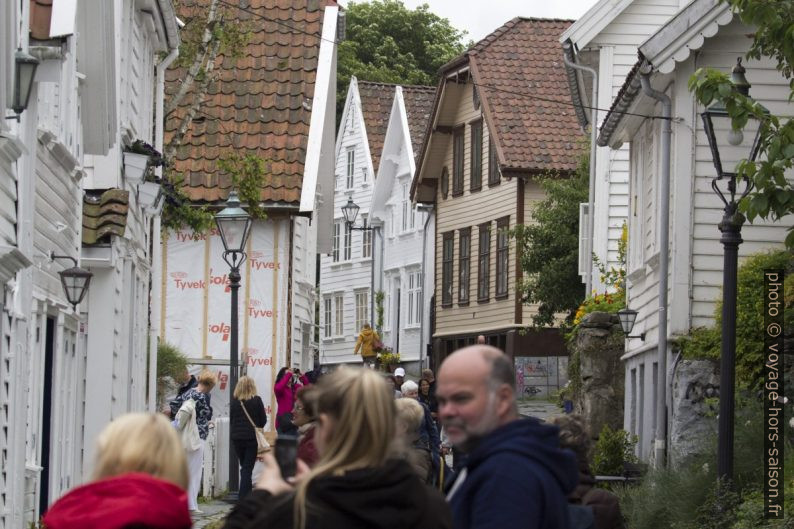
(593, 135)
(422, 346)
(664, 251)
(156, 243)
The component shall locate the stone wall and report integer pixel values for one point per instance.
(596, 352)
(694, 399)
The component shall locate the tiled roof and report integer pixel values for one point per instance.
(516, 68)
(376, 100)
(260, 104)
(104, 214)
(419, 106)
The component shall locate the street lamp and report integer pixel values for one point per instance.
(24, 73)
(350, 212)
(234, 225)
(627, 318)
(74, 280)
(740, 145)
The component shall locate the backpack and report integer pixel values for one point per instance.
(581, 516)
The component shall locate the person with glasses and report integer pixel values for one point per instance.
(303, 418)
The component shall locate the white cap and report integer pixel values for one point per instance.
(399, 372)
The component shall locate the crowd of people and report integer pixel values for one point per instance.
(371, 453)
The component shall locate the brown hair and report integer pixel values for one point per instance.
(207, 378)
(573, 435)
(308, 396)
(141, 442)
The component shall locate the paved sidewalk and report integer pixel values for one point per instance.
(212, 512)
(541, 408)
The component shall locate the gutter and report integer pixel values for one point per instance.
(422, 346)
(625, 98)
(568, 51)
(569, 57)
(664, 254)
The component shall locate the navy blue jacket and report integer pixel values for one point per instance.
(517, 476)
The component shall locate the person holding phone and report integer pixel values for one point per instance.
(288, 382)
(358, 480)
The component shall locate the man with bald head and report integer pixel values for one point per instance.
(515, 474)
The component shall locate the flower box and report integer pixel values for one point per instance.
(135, 166)
(148, 194)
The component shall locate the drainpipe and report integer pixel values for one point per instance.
(157, 260)
(422, 346)
(664, 251)
(593, 134)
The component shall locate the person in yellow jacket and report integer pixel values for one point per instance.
(366, 343)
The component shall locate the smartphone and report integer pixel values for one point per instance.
(287, 454)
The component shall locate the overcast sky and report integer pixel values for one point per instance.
(480, 17)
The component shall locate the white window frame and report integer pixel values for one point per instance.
(406, 208)
(328, 318)
(337, 233)
(366, 238)
(350, 179)
(413, 306)
(362, 309)
(348, 248)
(339, 315)
(387, 305)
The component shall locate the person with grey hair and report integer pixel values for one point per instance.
(515, 468)
(428, 432)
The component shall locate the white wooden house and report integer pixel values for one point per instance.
(346, 271)
(405, 268)
(606, 39)
(65, 374)
(705, 33)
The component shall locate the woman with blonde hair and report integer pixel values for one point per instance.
(139, 461)
(203, 415)
(410, 416)
(247, 412)
(357, 482)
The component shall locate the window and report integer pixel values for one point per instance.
(387, 306)
(364, 174)
(327, 315)
(392, 229)
(351, 166)
(476, 156)
(414, 297)
(406, 209)
(362, 310)
(446, 268)
(339, 309)
(366, 239)
(457, 161)
(484, 263)
(337, 232)
(348, 242)
(502, 256)
(464, 265)
(444, 182)
(493, 165)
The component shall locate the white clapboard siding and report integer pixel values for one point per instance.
(347, 277)
(304, 244)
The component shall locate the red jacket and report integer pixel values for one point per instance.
(133, 499)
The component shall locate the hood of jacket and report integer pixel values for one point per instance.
(389, 497)
(117, 502)
(531, 439)
(367, 334)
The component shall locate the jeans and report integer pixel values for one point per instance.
(246, 455)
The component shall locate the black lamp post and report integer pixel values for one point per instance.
(727, 151)
(74, 280)
(627, 318)
(350, 212)
(234, 225)
(24, 73)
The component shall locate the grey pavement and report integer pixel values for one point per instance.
(212, 512)
(540, 408)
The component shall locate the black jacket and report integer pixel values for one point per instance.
(241, 427)
(390, 497)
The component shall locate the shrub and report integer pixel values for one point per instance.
(171, 363)
(612, 451)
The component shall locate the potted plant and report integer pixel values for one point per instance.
(138, 158)
(149, 192)
(388, 359)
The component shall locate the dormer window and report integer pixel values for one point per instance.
(351, 166)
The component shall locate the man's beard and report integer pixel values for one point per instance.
(474, 436)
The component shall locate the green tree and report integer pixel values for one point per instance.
(549, 248)
(773, 196)
(389, 43)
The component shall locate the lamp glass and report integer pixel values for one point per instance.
(75, 283)
(234, 225)
(25, 72)
(350, 211)
(627, 319)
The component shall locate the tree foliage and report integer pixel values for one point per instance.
(549, 248)
(773, 196)
(387, 42)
